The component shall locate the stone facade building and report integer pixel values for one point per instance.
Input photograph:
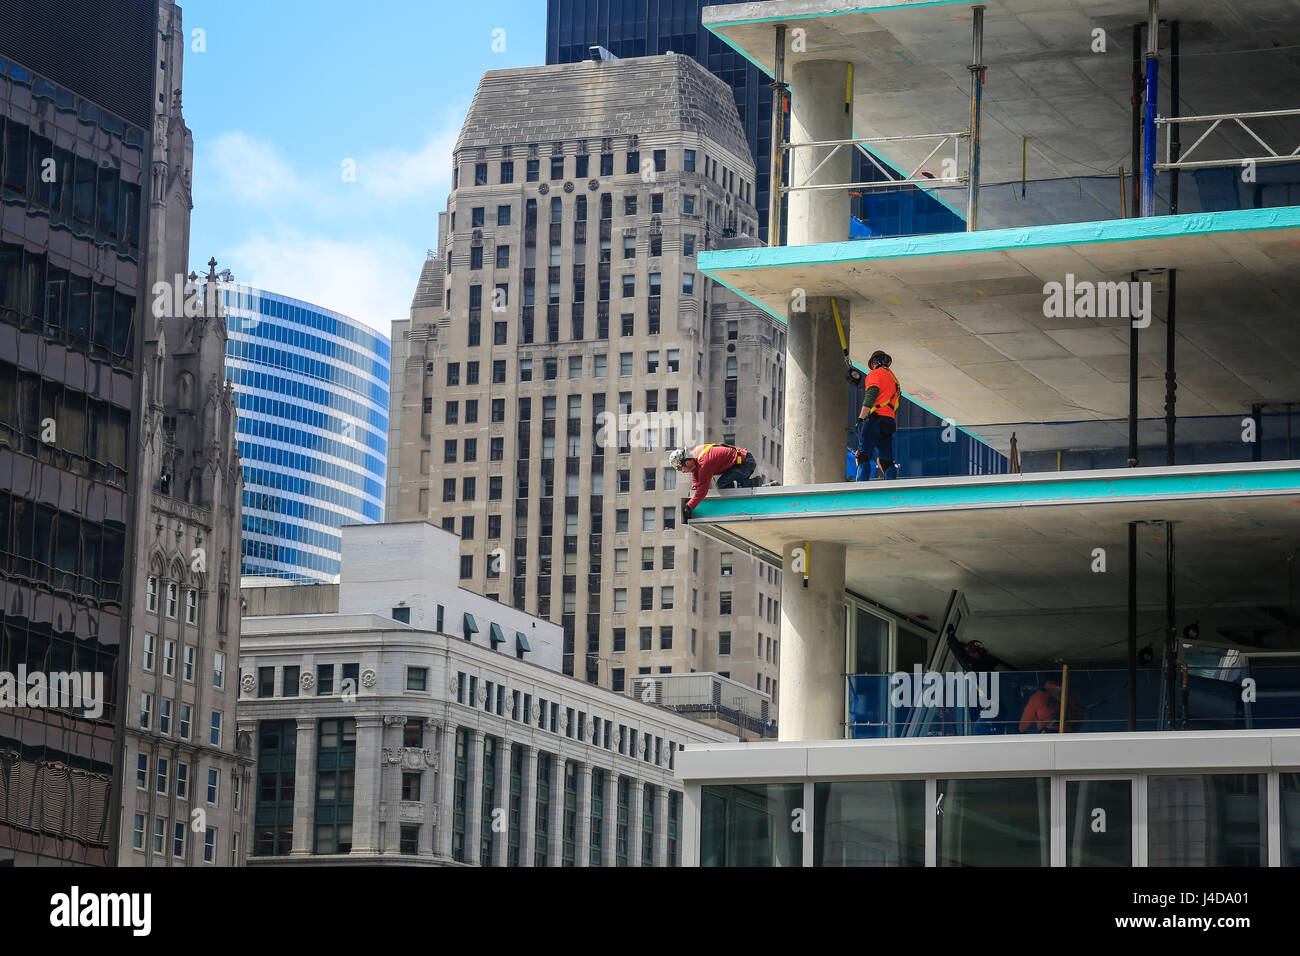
(433, 732)
(561, 339)
(185, 777)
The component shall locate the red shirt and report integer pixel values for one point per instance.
(711, 461)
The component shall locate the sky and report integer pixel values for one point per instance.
(323, 132)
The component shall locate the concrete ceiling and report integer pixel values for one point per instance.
(1027, 569)
(1044, 80)
(963, 315)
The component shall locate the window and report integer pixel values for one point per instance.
(417, 678)
(656, 284)
(172, 592)
(214, 736)
(688, 245)
(656, 244)
(163, 775)
(688, 283)
(466, 566)
(688, 204)
(480, 174)
(186, 712)
(191, 606)
(498, 371)
(620, 600)
(725, 564)
(580, 166)
(688, 160)
(151, 594)
(183, 780)
(218, 669)
(164, 716)
(148, 652)
(633, 161)
(503, 259)
(666, 598)
(724, 602)
(575, 366)
(507, 176)
(607, 164)
(532, 171)
(209, 844)
(503, 212)
(724, 642)
(652, 362)
(629, 204)
(598, 366)
(674, 360)
(159, 834)
(137, 834)
(656, 202)
(629, 286)
(178, 840)
(214, 786)
(476, 217)
(557, 167)
(629, 247)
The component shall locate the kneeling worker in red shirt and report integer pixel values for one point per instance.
(733, 467)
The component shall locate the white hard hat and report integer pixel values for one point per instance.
(676, 457)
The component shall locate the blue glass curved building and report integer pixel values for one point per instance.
(312, 392)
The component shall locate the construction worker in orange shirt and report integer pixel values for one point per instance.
(733, 467)
(876, 419)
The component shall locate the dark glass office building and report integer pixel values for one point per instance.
(76, 113)
(650, 27)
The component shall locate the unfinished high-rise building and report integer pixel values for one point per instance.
(561, 340)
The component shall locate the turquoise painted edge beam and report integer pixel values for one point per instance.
(1001, 240)
(874, 496)
(784, 321)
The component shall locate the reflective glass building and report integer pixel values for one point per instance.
(312, 393)
(76, 92)
(630, 28)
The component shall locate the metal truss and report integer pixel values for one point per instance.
(1215, 120)
(914, 178)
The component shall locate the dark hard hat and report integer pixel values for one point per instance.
(879, 358)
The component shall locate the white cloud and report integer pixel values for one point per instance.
(371, 279)
(400, 175)
(251, 171)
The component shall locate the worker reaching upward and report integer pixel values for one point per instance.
(733, 467)
(877, 418)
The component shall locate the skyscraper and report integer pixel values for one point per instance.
(647, 27)
(312, 392)
(185, 775)
(76, 118)
(560, 341)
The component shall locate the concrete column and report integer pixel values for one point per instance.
(474, 798)
(609, 827)
(304, 789)
(370, 767)
(816, 393)
(635, 808)
(528, 810)
(584, 815)
(501, 838)
(661, 826)
(445, 791)
(817, 114)
(555, 856)
(811, 705)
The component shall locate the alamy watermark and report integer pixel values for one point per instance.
(1100, 300)
(932, 689)
(83, 691)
